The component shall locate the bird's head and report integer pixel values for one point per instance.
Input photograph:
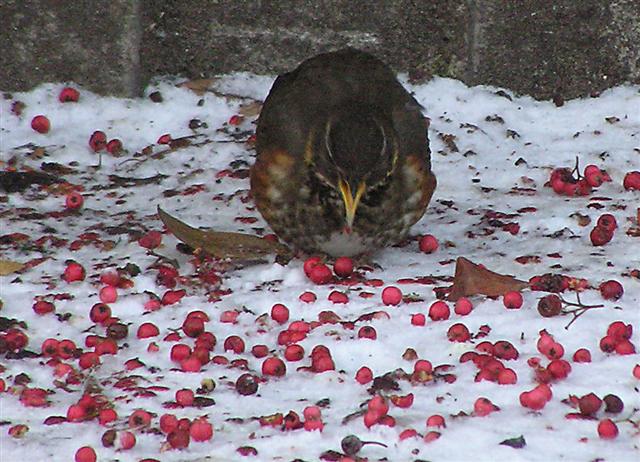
(355, 152)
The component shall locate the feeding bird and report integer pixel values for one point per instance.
(343, 162)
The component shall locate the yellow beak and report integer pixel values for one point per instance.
(350, 201)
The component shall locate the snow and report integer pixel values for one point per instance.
(481, 175)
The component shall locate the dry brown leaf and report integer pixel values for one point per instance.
(473, 279)
(198, 86)
(7, 267)
(223, 245)
(250, 109)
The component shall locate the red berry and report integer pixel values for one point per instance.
(320, 274)
(193, 326)
(431, 436)
(69, 95)
(88, 360)
(620, 331)
(279, 313)
(308, 297)
(549, 306)
(247, 384)
(483, 407)
(164, 139)
(428, 243)
(439, 311)
(40, 124)
(98, 141)
(582, 355)
(364, 375)
(625, 347)
(378, 404)
(391, 296)
(418, 319)
(608, 222)
(611, 290)
(402, 402)
(191, 364)
(139, 418)
(293, 353)
(367, 332)
(423, 365)
(589, 404)
(404, 434)
(179, 439)
(126, 440)
(505, 350)
(631, 181)
(168, 423)
(42, 307)
(507, 377)
(338, 297)
(185, 397)
(114, 147)
(600, 236)
(512, 300)
(201, 430)
(171, 297)
(107, 416)
(593, 175)
(108, 294)
(343, 267)
(463, 306)
(74, 272)
(73, 201)
(99, 313)
(260, 351)
(458, 333)
(607, 429)
(613, 404)
(151, 240)
(310, 263)
(636, 371)
(274, 366)
(436, 420)
(147, 330)
(86, 454)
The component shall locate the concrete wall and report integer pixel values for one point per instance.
(544, 48)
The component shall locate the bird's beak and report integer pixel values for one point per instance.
(351, 201)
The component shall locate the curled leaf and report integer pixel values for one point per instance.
(223, 245)
(473, 279)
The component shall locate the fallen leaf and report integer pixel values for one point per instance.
(251, 109)
(8, 267)
(517, 443)
(473, 279)
(198, 86)
(223, 245)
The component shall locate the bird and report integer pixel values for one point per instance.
(343, 165)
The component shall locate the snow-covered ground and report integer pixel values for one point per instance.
(491, 152)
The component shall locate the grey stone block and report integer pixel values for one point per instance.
(200, 38)
(564, 48)
(93, 43)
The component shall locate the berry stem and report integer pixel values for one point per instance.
(577, 312)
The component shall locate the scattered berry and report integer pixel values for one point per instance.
(607, 429)
(611, 290)
(73, 201)
(631, 181)
(98, 141)
(391, 296)
(69, 95)
(512, 300)
(40, 124)
(428, 244)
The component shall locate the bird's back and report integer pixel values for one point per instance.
(306, 95)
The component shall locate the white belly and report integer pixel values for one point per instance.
(346, 245)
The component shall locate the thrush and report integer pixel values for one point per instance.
(343, 162)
